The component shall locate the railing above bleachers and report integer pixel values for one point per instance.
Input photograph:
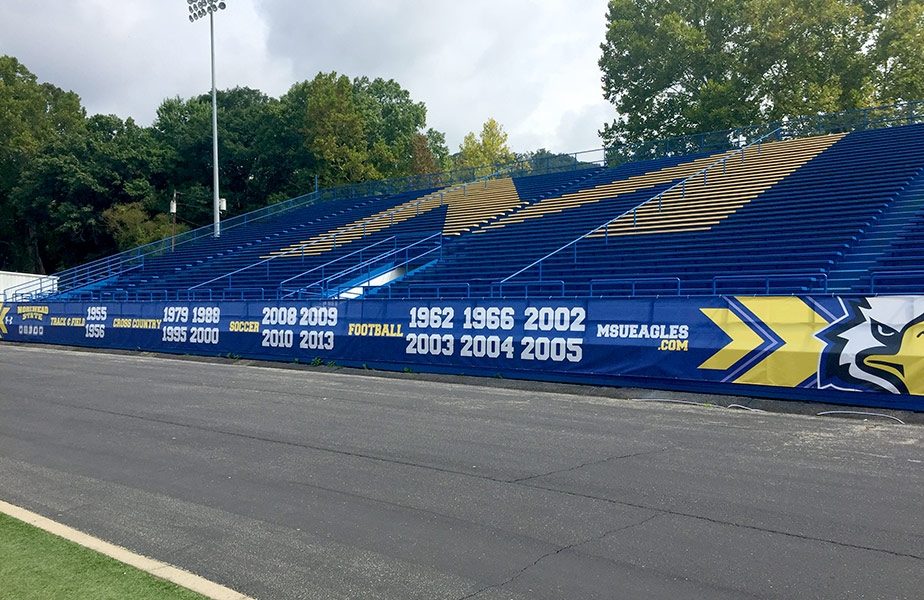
(902, 113)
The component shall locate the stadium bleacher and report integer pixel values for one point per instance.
(763, 227)
(832, 213)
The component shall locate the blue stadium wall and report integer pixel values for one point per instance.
(860, 351)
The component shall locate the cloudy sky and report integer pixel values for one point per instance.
(532, 65)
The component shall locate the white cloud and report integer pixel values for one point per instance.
(531, 65)
(126, 57)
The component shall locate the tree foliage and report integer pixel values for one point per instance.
(32, 115)
(672, 67)
(63, 192)
(899, 53)
(486, 149)
(73, 188)
(132, 225)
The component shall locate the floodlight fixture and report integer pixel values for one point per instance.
(197, 10)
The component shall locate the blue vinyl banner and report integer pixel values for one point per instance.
(846, 350)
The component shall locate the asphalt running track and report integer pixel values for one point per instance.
(315, 484)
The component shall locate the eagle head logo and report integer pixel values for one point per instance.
(877, 346)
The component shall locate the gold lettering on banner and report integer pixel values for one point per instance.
(375, 330)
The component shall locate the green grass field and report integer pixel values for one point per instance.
(35, 565)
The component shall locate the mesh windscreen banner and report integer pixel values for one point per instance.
(858, 350)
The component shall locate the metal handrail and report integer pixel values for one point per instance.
(200, 295)
(680, 184)
(449, 180)
(767, 279)
(392, 238)
(525, 285)
(324, 291)
(9, 295)
(300, 248)
(91, 272)
(230, 293)
(323, 283)
(438, 286)
(713, 141)
(635, 281)
(874, 275)
(336, 291)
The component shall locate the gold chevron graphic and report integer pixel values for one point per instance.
(744, 340)
(796, 324)
(3, 312)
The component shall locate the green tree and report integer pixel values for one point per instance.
(487, 149)
(251, 157)
(423, 161)
(673, 67)
(32, 116)
(74, 188)
(63, 193)
(392, 120)
(899, 53)
(132, 225)
(543, 160)
(352, 131)
(247, 148)
(807, 56)
(333, 126)
(436, 143)
(430, 153)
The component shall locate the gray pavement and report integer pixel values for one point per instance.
(311, 484)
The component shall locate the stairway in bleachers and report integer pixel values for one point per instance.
(892, 250)
(853, 271)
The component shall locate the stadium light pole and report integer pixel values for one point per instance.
(198, 9)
